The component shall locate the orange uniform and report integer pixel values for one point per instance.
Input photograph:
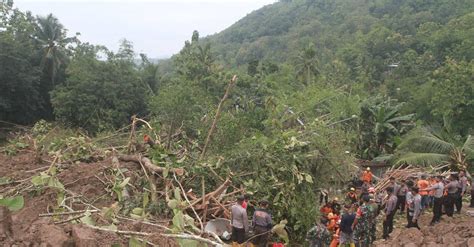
(367, 176)
(422, 185)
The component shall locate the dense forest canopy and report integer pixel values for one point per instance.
(319, 84)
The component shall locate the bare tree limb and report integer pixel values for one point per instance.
(218, 113)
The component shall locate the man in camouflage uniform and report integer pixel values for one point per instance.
(319, 236)
(362, 224)
(374, 209)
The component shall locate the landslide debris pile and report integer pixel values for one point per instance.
(456, 232)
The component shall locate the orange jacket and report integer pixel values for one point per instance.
(423, 184)
(367, 176)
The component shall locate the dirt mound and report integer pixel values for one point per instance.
(456, 231)
(81, 180)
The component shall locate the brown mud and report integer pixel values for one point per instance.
(26, 228)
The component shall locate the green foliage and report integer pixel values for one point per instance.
(99, 95)
(12, 203)
(426, 147)
(381, 125)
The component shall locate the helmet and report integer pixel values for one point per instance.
(352, 189)
(368, 169)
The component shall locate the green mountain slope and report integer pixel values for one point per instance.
(277, 31)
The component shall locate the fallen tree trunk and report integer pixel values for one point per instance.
(149, 165)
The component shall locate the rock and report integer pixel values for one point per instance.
(432, 244)
(50, 235)
(448, 238)
(410, 245)
(83, 237)
(5, 224)
(470, 242)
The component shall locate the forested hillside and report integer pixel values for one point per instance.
(319, 84)
(393, 47)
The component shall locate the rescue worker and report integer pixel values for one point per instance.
(361, 223)
(323, 196)
(318, 235)
(262, 224)
(239, 222)
(472, 196)
(246, 201)
(438, 189)
(326, 209)
(462, 186)
(401, 196)
(409, 197)
(346, 237)
(452, 189)
(335, 206)
(414, 208)
(351, 196)
(422, 185)
(147, 140)
(375, 209)
(367, 176)
(389, 213)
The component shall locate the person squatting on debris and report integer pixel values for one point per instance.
(462, 186)
(438, 190)
(318, 235)
(390, 210)
(239, 221)
(414, 208)
(452, 190)
(262, 224)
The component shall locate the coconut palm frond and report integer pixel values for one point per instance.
(404, 118)
(423, 159)
(427, 143)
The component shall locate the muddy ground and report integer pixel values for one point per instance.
(456, 232)
(26, 228)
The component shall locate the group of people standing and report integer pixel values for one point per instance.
(355, 224)
(261, 223)
(350, 222)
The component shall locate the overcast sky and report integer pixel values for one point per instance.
(156, 27)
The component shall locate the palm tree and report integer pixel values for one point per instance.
(307, 64)
(51, 37)
(425, 147)
(381, 123)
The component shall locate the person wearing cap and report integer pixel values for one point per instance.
(452, 191)
(367, 176)
(389, 213)
(462, 186)
(438, 189)
(351, 195)
(318, 235)
(262, 224)
(414, 209)
(239, 221)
